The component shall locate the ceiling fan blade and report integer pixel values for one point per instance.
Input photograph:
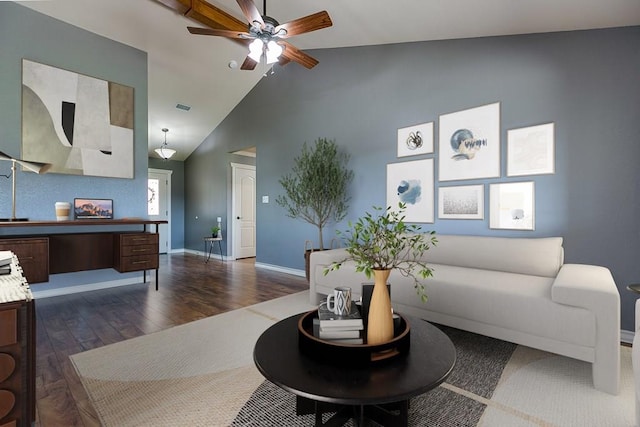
(314, 22)
(215, 32)
(213, 17)
(248, 64)
(292, 53)
(250, 11)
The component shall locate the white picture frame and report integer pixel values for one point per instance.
(531, 150)
(414, 140)
(512, 205)
(461, 202)
(469, 144)
(412, 183)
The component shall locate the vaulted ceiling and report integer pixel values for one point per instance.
(194, 70)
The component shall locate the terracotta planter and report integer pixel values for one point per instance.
(380, 319)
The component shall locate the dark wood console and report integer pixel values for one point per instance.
(43, 253)
(17, 352)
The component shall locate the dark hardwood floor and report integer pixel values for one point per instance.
(189, 290)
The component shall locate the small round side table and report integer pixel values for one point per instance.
(635, 287)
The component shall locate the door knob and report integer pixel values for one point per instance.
(237, 217)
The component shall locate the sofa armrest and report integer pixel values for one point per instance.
(593, 288)
(587, 286)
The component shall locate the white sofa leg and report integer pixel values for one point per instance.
(606, 378)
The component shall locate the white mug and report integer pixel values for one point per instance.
(340, 301)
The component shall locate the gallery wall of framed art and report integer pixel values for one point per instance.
(468, 149)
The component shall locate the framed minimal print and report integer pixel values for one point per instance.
(469, 144)
(414, 140)
(412, 184)
(79, 124)
(531, 150)
(512, 205)
(461, 202)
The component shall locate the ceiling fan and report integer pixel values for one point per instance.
(266, 36)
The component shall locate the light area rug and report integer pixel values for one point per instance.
(202, 374)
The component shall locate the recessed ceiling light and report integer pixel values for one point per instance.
(183, 107)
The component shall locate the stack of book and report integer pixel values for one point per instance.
(5, 262)
(342, 329)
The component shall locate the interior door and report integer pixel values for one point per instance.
(244, 210)
(159, 204)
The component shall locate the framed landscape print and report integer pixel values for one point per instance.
(412, 183)
(80, 124)
(531, 150)
(414, 140)
(469, 144)
(512, 205)
(461, 202)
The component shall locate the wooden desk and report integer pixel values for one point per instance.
(46, 252)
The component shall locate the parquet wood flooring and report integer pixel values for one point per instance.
(190, 289)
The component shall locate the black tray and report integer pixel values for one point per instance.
(357, 354)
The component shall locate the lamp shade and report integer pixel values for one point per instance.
(274, 50)
(164, 152)
(255, 49)
(32, 166)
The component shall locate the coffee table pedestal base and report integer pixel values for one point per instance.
(392, 414)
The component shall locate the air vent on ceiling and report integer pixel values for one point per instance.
(183, 107)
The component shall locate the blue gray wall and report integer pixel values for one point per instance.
(31, 35)
(585, 82)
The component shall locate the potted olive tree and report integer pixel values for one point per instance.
(378, 244)
(315, 190)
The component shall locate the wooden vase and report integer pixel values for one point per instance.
(380, 320)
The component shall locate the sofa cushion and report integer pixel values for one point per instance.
(533, 256)
(516, 301)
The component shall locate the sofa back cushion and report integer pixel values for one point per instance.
(533, 256)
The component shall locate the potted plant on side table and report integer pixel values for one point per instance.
(377, 244)
(214, 231)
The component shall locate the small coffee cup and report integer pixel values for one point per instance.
(63, 210)
(340, 301)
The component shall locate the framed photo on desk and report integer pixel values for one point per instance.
(93, 208)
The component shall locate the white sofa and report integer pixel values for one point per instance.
(514, 289)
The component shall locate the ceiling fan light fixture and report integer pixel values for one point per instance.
(164, 151)
(274, 50)
(255, 49)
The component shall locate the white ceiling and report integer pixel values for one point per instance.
(179, 72)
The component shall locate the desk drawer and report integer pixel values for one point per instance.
(33, 256)
(135, 239)
(137, 263)
(135, 252)
(139, 250)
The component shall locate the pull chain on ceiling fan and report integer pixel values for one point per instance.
(267, 35)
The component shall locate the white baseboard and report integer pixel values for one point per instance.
(204, 254)
(281, 269)
(48, 293)
(626, 336)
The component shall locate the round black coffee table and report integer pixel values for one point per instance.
(379, 391)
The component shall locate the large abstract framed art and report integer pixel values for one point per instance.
(80, 124)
